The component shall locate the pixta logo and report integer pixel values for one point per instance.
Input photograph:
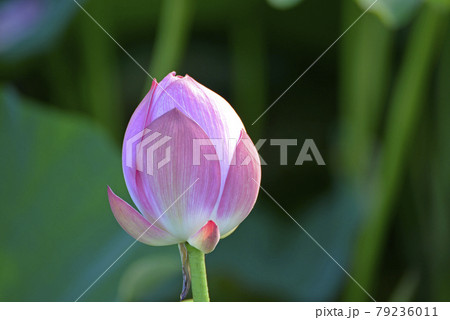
(143, 146)
(140, 151)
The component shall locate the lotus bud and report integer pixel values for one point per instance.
(189, 166)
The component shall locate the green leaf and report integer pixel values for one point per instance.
(154, 278)
(443, 3)
(270, 258)
(395, 13)
(57, 233)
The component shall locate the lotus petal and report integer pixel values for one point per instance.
(136, 225)
(241, 186)
(186, 191)
(206, 238)
(208, 109)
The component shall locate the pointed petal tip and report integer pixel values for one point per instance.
(206, 238)
(175, 113)
(111, 196)
(136, 225)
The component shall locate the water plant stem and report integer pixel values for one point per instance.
(407, 102)
(199, 283)
(172, 36)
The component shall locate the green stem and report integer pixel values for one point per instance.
(63, 89)
(99, 74)
(365, 70)
(404, 113)
(249, 65)
(171, 38)
(439, 219)
(199, 282)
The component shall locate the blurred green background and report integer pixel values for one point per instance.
(377, 105)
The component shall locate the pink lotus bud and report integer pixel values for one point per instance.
(189, 166)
